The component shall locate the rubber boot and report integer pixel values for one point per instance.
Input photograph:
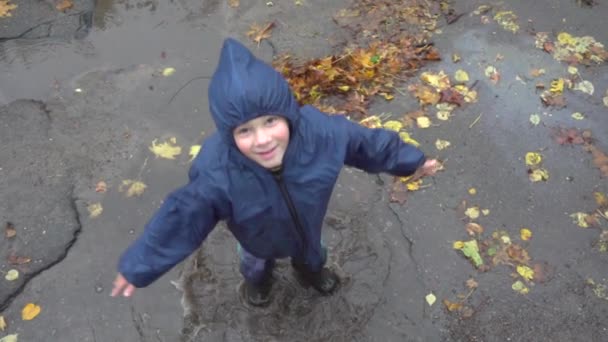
(324, 281)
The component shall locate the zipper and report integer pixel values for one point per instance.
(292, 209)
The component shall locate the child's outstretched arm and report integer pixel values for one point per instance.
(380, 150)
(175, 231)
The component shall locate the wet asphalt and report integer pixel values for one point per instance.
(81, 102)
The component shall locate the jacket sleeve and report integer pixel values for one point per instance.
(377, 150)
(178, 228)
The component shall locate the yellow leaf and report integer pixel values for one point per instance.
(525, 233)
(572, 70)
(5, 8)
(490, 71)
(458, 245)
(585, 87)
(485, 212)
(520, 287)
(600, 199)
(578, 116)
(525, 272)
(95, 210)
(456, 58)
(414, 186)
(535, 119)
(461, 76)
(507, 19)
(194, 150)
(533, 158)
(371, 122)
(472, 213)
(440, 80)
(580, 219)
(135, 188)
(407, 139)
(423, 122)
(393, 125)
(441, 144)
(539, 175)
(9, 338)
(557, 86)
(430, 299)
(168, 149)
(387, 96)
(233, 3)
(11, 275)
(344, 88)
(443, 115)
(565, 39)
(30, 311)
(168, 72)
(2, 323)
(472, 191)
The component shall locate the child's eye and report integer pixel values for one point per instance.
(271, 120)
(242, 131)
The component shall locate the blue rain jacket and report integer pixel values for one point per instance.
(270, 217)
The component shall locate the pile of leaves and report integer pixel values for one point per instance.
(584, 138)
(346, 82)
(571, 49)
(506, 19)
(595, 217)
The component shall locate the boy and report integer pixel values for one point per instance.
(268, 172)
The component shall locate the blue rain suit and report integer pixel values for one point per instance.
(271, 217)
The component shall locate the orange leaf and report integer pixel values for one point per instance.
(452, 306)
(258, 33)
(30, 311)
(64, 5)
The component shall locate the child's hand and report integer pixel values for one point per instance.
(429, 168)
(122, 285)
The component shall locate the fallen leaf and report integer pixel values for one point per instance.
(537, 72)
(101, 187)
(580, 219)
(234, 3)
(471, 283)
(393, 125)
(474, 228)
(557, 86)
(471, 251)
(525, 271)
(456, 58)
(95, 210)
(600, 199)
(472, 213)
(2, 323)
(64, 5)
(405, 137)
(430, 299)
(539, 175)
(134, 187)
(525, 233)
(605, 99)
(439, 81)
(9, 338)
(552, 99)
(452, 306)
(194, 150)
(508, 20)
(12, 275)
(533, 158)
(18, 260)
(585, 87)
(442, 144)
(578, 116)
(542, 272)
(259, 33)
(168, 72)
(535, 119)
(9, 230)
(30, 311)
(520, 287)
(472, 191)
(466, 312)
(461, 76)
(572, 70)
(485, 212)
(414, 186)
(167, 150)
(5, 8)
(492, 74)
(423, 122)
(443, 115)
(427, 95)
(452, 96)
(458, 245)
(482, 9)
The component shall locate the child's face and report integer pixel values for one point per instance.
(263, 140)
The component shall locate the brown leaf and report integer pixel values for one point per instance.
(101, 187)
(542, 272)
(474, 228)
(398, 192)
(233, 3)
(552, 99)
(518, 254)
(257, 33)
(548, 47)
(472, 284)
(18, 260)
(466, 312)
(452, 306)
(451, 96)
(9, 230)
(432, 55)
(64, 5)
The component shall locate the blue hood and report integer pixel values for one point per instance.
(244, 87)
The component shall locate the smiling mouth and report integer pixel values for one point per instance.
(267, 154)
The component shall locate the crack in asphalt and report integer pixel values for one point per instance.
(60, 258)
(81, 14)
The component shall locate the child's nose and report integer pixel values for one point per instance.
(262, 138)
